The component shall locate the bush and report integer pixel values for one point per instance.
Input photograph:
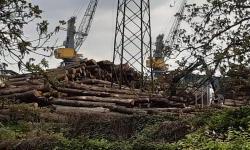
(236, 119)
(7, 134)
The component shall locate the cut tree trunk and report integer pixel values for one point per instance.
(142, 100)
(64, 102)
(75, 92)
(99, 89)
(18, 79)
(172, 110)
(9, 91)
(125, 110)
(25, 96)
(124, 102)
(80, 109)
(235, 103)
(94, 81)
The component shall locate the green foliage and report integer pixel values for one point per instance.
(200, 120)
(102, 144)
(7, 134)
(236, 119)
(203, 141)
(143, 145)
(13, 131)
(15, 45)
(27, 112)
(90, 144)
(227, 129)
(216, 31)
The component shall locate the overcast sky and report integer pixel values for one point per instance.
(99, 44)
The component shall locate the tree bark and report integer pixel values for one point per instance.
(173, 110)
(24, 96)
(94, 81)
(235, 103)
(9, 91)
(80, 109)
(64, 102)
(124, 102)
(125, 110)
(75, 92)
(99, 89)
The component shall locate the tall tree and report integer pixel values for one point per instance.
(14, 45)
(218, 32)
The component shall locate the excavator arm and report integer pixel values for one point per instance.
(209, 78)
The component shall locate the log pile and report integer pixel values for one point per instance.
(88, 95)
(90, 69)
(2, 85)
(85, 87)
(86, 69)
(237, 86)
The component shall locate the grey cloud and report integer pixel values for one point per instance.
(99, 44)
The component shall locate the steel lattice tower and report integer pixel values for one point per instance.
(133, 42)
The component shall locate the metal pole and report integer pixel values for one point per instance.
(115, 42)
(151, 55)
(122, 51)
(142, 50)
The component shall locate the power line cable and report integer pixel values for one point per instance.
(79, 9)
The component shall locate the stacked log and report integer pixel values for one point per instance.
(87, 95)
(84, 86)
(125, 102)
(237, 86)
(90, 69)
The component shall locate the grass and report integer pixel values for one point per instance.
(226, 129)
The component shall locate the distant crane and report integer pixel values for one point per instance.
(175, 27)
(75, 38)
(164, 48)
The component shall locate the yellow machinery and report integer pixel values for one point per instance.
(157, 64)
(65, 53)
(163, 49)
(75, 38)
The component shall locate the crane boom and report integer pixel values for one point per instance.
(85, 25)
(176, 25)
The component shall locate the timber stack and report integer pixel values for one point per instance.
(90, 69)
(85, 87)
(237, 86)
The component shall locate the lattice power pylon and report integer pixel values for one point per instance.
(133, 42)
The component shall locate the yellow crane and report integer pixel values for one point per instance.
(75, 38)
(164, 48)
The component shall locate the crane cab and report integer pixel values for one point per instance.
(157, 64)
(65, 53)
